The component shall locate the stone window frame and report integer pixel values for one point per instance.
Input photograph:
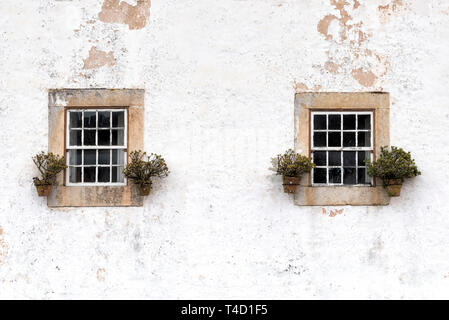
(61, 100)
(305, 103)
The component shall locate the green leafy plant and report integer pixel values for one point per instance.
(394, 164)
(291, 164)
(142, 168)
(49, 165)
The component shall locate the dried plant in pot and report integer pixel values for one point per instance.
(393, 166)
(142, 168)
(291, 166)
(49, 165)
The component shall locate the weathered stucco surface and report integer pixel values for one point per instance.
(219, 80)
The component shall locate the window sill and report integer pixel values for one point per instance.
(341, 196)
(98, 196)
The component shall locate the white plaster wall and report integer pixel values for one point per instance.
(219, 79)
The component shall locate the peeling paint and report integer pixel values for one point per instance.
(98, 58)
(101, 274)
(116, 11)
(365, 78)
(332, 213)
(3, 248)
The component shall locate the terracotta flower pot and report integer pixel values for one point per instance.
(290, 184)
(393, 187)
(145, 189)
(43, 190)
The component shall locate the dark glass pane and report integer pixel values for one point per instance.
(319, 175)
(104, 156)
(118, 119)
(349, 176)
(364, 139)
(319, 158)
(89, 137)
(348, 139)
(319, 122)
(335, 175)
(363, 121)
(117, 174)
(118, 137)
(90, 119)
(334, 139)
(90, 157)
(118, 156)
(75, 119)
(362, 177)
(349, 159)
(362, 156)
(334, 158)
(75, 174)
(319, 139)
(104, 137)
(89, 174)
(75, 157)
(348, 121)
(75, 137)
(104, 119)
(335, 121)
(103, 174)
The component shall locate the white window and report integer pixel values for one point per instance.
(96, 142)
(341, 141)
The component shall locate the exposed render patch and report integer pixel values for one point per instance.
(3, 248)
(349, 52)
(98, 58)
(332, 213)
(365, 78)
(101, 274)
(116, 11)
(302, 87)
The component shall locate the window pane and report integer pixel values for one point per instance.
(348, 121)
(319, 158)
(89, 137)
(103, 174)
(104, 137)
(363, 177)
(90, 119)
(104, 120)
(90, 157)
(335, 175)
(319, 122)
(335, 121)
(118, 156)
(362, 156)
(319, 175)
(363, 139)
(118, 137)
(118, 119)
(75, 138)
(74, 174)
(334, 139)
(334, 158)
(348, 139)
(75, 157)
(104, 156)
(349, 176)
(75, 119)
(319, 139)
(117, 174)
(363, 121)
(89, 174)
(349, 158)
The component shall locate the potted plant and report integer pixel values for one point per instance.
(393, 167)
(291, 166)
(142, 168)
(49, 165)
